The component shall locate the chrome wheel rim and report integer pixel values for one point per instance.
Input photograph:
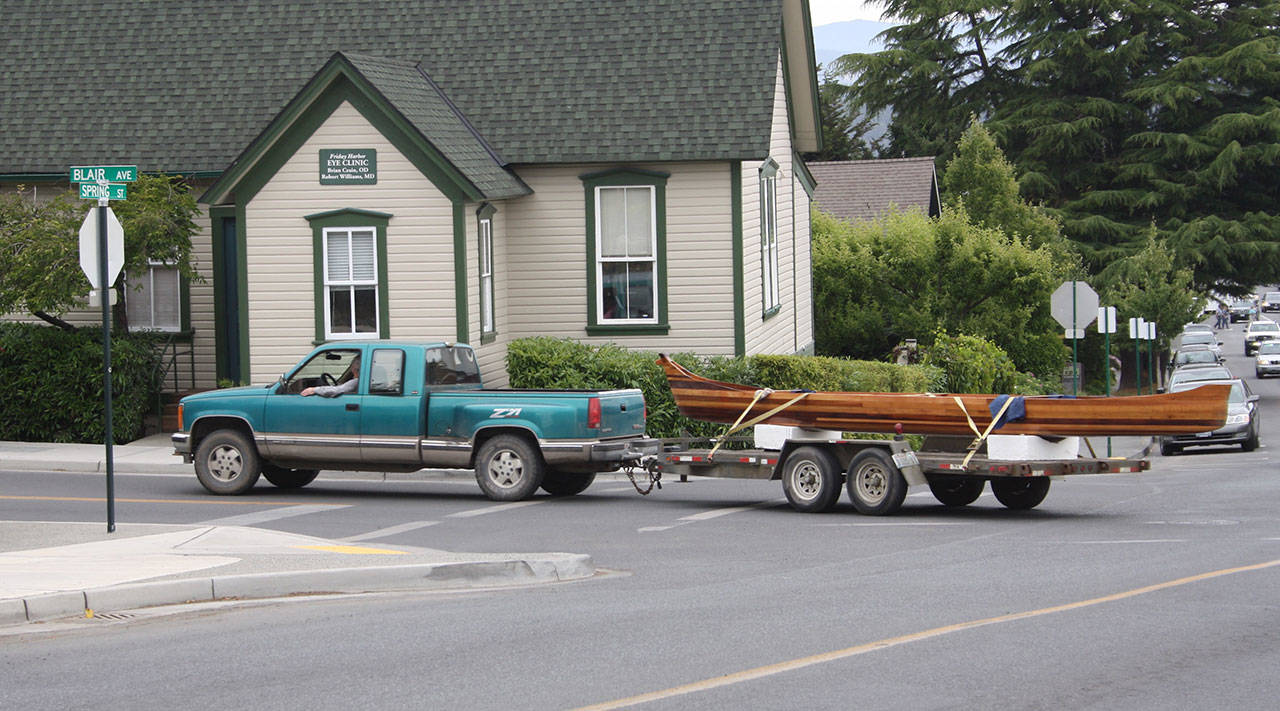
(806, 481)
(225, 463)
(873, 483)
(505, 469)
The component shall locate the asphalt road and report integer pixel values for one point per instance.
(1149, 591)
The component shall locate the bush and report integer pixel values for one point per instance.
(559, 363)
(54, 383)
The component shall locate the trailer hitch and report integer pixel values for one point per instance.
(651, 469)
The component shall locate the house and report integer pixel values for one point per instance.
(866, 189)
(622, 172)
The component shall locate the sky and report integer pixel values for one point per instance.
(825, 12)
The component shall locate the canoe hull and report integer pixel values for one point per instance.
(1197, 410)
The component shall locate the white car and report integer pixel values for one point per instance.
(1259, 331)
(1191, 338)
(1267, 361)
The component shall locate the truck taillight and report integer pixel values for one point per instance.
(180, 427)
(593, 413)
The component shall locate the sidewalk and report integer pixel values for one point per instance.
(51, 570)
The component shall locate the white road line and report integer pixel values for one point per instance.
(1135, 540)
(389, 531)
(714, 513)
(901, 523)
(495, 508)
(271, 515)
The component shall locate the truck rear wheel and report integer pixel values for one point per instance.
(284, 478)
(1020, 493)
(558, 483)
(875, 484)
(811, 480)
(509, 468)
(954, 490)
(227, 463)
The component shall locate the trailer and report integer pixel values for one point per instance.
(877, 472)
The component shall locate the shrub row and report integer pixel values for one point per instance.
(53, 383)
(557, 363)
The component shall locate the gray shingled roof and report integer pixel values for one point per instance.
(185, 86)
(864, 189)
(411, 92)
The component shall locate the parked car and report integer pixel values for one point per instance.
(1267, 360)
(1191, 338)
(1195, 374)
(1259, 331)
(1241, 427)
(1197, 328)
(1193, 355)
(1271, 301)
(1240, 310)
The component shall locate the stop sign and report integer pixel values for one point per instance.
(89, 247)
(1074, 304)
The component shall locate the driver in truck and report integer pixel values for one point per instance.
(347, 382)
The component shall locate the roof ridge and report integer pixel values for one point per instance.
(461, 116)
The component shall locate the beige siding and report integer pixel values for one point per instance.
(546, 266)
(281, 302)
(789, 330)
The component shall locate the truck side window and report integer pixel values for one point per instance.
(386, 373)
(325, 368)
(452, 366)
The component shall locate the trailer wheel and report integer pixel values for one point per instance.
(955, 491)
(509, 468)
(227, 463)
(558, 483)
(811, 480)
(1020, 493)
(284, 478)
(875, 484)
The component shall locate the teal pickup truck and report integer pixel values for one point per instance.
(396, 406)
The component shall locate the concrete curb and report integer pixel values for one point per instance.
(429, 576)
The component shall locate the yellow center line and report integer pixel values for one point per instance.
(356, 550)
(211, 501)
(781, 667)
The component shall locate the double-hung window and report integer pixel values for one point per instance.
(769, 236)
(350, 282)
(487, 327)
(626, 249)
(153, 299)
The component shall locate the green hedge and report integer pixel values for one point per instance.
(559, 363)
(53, 384)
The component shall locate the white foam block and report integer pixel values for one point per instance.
(1026, 447)
(772, 437)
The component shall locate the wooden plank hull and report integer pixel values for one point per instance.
(1197, 410)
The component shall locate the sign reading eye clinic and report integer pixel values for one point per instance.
(348, 166)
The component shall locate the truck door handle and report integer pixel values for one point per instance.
(352, 407)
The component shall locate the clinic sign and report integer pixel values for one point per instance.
(348, 166)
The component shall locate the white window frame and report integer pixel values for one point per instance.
(487, 324)
(347, 232)
(132, 291)
(769, 239)
(652, 259)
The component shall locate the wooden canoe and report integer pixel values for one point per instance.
(1197, 410)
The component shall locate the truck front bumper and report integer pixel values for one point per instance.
(182, 445)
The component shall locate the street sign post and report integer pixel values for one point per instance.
(101, 257)
(1074, 305)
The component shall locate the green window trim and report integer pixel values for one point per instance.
(349, 217)
(627, 177)
(485, 215)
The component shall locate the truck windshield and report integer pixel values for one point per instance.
(452, 366)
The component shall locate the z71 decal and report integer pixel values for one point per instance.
(506, 412)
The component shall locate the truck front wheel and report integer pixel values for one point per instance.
(811, 480)
(227, 463)
(1020, 492)
(875, 484)
(508, 468)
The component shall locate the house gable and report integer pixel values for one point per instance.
(402, 104)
